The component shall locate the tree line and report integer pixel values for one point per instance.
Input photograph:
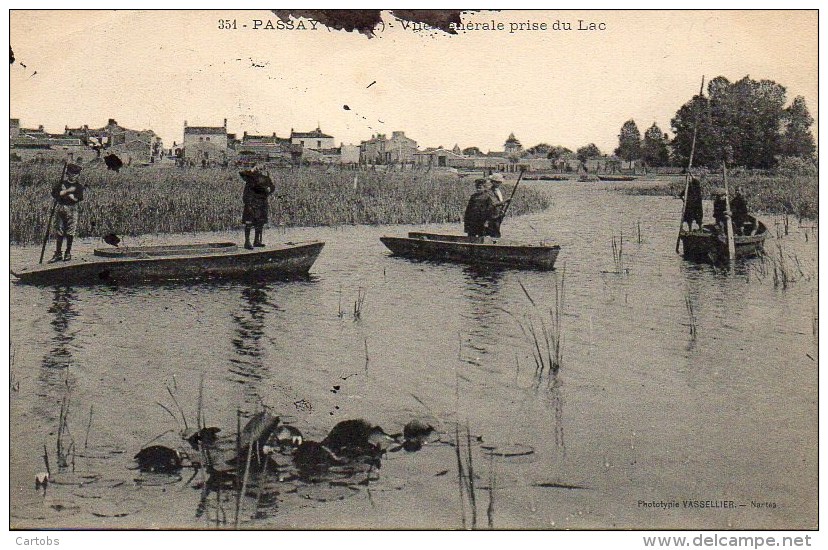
(745, 123)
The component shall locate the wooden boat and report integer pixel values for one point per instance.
(177, 263)
(708, 244)
(468, 250)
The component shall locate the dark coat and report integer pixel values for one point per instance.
(739, 209)
(67, 199)
(257, 187)
(719, 208)
(693, 209)
(481, 208)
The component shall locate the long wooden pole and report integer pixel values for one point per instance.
(689, 165)
(51, 216)
(508, 204)
(731, 244)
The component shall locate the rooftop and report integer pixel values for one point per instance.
(315, 134)
(205, 130)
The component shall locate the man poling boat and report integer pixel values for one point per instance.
(689, 177)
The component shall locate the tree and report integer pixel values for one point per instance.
(797, 139)
(558, 151)
(472, 152)
(654, 148)
(629, 141)
(587, 152)
(694, 117)
(739, 120)
(540, 150)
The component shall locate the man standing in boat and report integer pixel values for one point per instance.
(68, 192)
(479, 211)
(693, 209)
(500, 204)
(257, 187)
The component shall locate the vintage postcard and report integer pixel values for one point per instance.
(413, 269)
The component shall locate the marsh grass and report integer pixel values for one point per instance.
(786, 192)
(155, 199)
(465, 480)
(359, 303)
(543, 330)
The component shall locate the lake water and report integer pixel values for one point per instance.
(641, 418)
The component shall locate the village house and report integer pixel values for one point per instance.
(130, 145)
(440, 157)
(312, 140)
(28, 144)
(205, 144)
(263, 148)
(398, 149)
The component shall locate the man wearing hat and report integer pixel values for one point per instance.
(497, 218)
(479, 211)
(67, 194)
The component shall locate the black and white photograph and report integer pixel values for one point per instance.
(407, 269)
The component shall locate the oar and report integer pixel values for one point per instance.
(731, 244)
(689, 165)
(51, 215)
(508, 204)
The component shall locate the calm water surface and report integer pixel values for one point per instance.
(641, 411)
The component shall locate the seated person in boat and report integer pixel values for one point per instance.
(68, 192)
(739, 210)
(480, 209)
(257, 187)
(693, 210)
(496, 181)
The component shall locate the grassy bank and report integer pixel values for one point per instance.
(795, 194)
(145, 200)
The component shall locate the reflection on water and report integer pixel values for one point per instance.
(249, 367)
(483, 311)
(63, 313)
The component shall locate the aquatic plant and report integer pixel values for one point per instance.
(158, 199)
(618, 254)
(465, 477)
(360, 301)
(783, 192)
(544, 330)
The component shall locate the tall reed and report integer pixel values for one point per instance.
(155, 199)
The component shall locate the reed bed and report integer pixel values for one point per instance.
(154, 199)
(795, 193)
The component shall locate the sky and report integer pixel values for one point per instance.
(156, 69)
